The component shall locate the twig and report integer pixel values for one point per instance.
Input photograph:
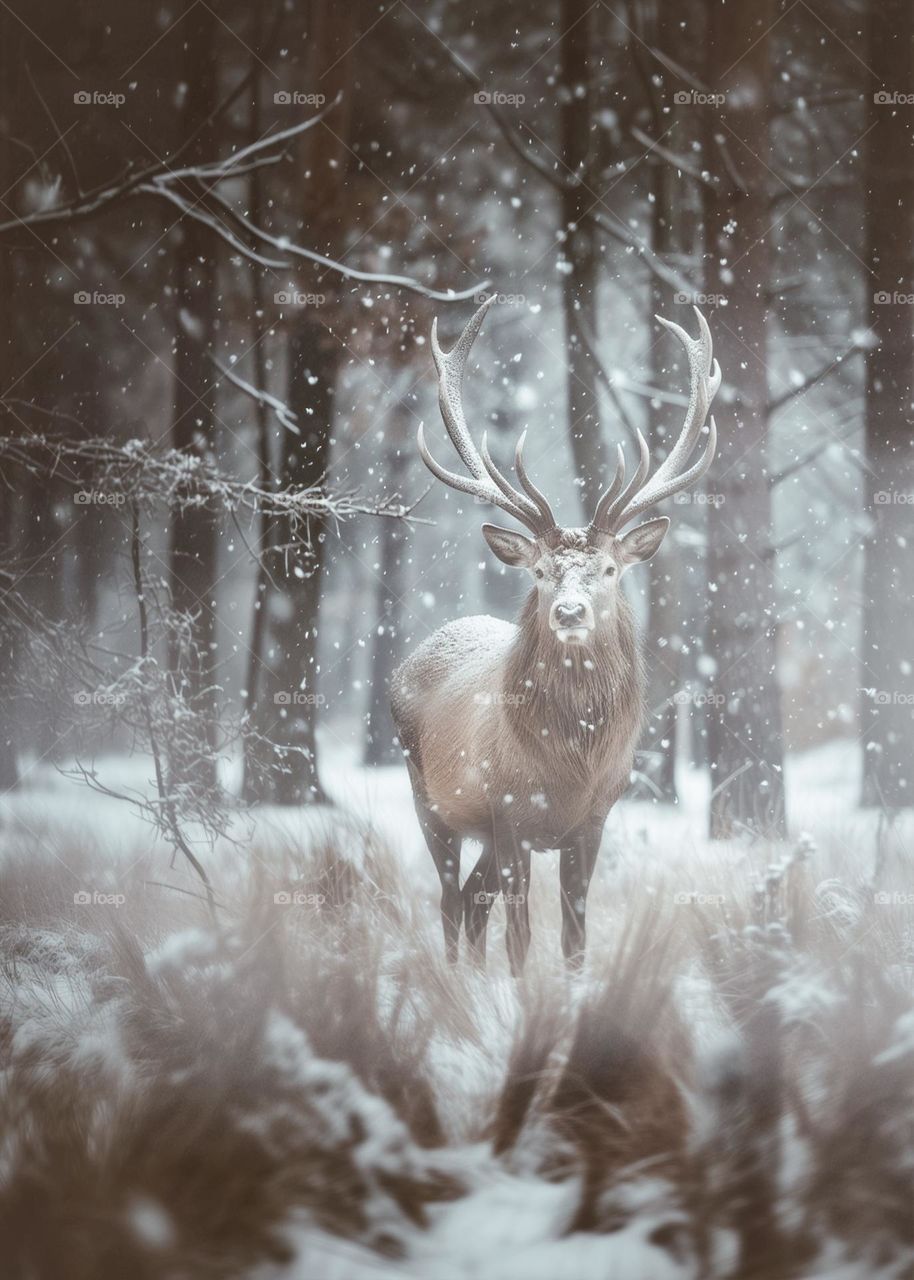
(165, 800)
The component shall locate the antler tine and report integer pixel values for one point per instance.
(503, 484)
(604, 520)
(450, 366)
(535, 493)
(476, 487)
(485, 480)
(670, 477)
(607, 497)
(520, 500)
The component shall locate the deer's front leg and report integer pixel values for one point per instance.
(578, 859)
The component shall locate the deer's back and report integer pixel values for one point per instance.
(458, 659)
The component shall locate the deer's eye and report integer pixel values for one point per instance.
(538, 573)
(610, 571)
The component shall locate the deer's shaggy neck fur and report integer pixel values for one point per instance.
(576, 711)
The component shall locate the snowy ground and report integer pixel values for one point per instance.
(640, 836)
(697, 903)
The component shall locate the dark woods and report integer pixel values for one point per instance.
(224, 234)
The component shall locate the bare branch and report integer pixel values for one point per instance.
(159, 181)
(284, 414)
(781, 401)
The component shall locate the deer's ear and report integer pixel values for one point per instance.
(641, 542)
(511, 547)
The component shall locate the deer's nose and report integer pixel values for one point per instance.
(571, 615)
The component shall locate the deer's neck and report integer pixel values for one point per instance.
(565, 698)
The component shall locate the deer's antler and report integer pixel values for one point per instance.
(485, 480)
(622, 502)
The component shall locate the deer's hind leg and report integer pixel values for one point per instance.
(516, 888)
(503, 867)
(444, 846)
(481, 889)
(576, 868)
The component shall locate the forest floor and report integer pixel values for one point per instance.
(302, 1089)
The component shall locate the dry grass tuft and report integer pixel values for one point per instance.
(726, 1092)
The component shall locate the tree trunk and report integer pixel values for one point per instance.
(9, 772)
(888, 631)
(744, 720)
(380, 745)
(580, 260)
(315, 354)
(665, 606)
(293, 613)
(193, 548)
(256, 753)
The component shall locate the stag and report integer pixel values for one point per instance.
(522, 735)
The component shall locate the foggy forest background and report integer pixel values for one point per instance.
(231, 1043)
(226, 230)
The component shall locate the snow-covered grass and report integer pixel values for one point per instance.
(301, 1089)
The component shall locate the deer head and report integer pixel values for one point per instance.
(576, 571)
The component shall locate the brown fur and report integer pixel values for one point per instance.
(472, 704)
